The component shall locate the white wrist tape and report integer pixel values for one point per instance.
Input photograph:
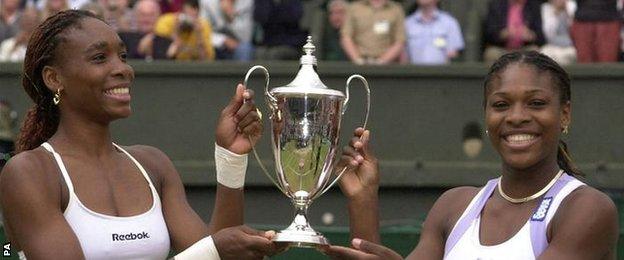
(231, 167)
(203, 249)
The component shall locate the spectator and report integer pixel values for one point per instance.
(337, 10)
(282, 37)
(557, 19)
(374, 32)
(9, 15)
(433, 36)
(117, 14)
(232, 24)
(142, 42)
(170, 6)
(41, 4)
(512, 25)
(8, 120)
(595, 31)
(191, 34)
(51, 7)
(14, 48)
(95, 8)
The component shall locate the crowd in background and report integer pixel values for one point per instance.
(360, 31)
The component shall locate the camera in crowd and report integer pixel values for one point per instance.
(185, 23)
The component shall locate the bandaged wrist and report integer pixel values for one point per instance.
(231, 167)
(203, 249)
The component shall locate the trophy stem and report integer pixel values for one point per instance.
(300, 233)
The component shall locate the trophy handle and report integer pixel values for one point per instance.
(344, 109)
(272, 102)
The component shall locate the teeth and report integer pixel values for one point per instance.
(520, 138)
(117, 91)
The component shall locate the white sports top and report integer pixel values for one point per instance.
(143, 236)
(463, 241)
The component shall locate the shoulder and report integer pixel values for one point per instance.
(149, 155)
(586, 202)
(585, 225)
(25, 166)
(155, 161)
(447, 17)
(164, 24)
(457, 199)
(29, 174)
(451, 204)
(396, 7)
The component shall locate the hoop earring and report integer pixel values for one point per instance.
(57, 97)
(565, 130)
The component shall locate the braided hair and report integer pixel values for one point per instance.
(559, 77)
(43, 118)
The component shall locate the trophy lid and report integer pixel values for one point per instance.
(307, 80)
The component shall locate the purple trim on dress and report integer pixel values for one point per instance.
(464, 223)
(539, 240)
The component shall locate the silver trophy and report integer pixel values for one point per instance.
(305, 122)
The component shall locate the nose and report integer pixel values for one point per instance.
(517, 115)
(123, 70)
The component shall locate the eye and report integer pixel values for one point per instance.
(500, 104)
(537, 103)
(99, 58)
(123, 56)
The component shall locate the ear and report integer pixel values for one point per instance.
(51, 78)
(566, 114)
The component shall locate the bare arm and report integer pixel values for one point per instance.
(185, 226)
(30, 203)
(584, 227)
(440, 219)
(346, 39)
(351, 49)
(392, 54)
(439, 222)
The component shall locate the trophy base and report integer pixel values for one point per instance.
(302, 239)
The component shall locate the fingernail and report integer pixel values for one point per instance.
(356, 242)
(354, 162)
(359, 158)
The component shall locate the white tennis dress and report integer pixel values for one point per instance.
(463, 242)
(143, 236)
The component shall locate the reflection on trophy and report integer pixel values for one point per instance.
(305, 122)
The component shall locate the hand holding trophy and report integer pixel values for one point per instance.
(305, 122)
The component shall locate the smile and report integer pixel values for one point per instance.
(521, 138)
(520, 141)
(117, 91)
(121, 94)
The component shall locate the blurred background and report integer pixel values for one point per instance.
(425, 61)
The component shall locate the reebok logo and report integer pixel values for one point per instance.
(130, 236)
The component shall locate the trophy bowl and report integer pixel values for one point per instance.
(305, 128)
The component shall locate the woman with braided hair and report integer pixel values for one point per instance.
(71, 193)
(537, 209)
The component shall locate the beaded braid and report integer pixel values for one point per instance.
(559, 76)
(43, 118)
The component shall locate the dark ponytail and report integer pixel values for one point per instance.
(558, 75)
(42, 119)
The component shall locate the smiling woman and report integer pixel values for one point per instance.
(71, 193)
(537, 209)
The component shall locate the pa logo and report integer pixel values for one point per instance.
(6, 249)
